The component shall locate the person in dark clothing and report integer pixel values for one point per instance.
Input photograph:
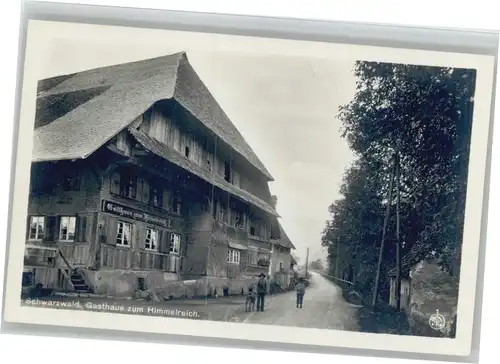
(261, 292)
(300, 289)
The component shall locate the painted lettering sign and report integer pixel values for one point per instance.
(120, 210)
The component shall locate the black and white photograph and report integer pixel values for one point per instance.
(285, 191)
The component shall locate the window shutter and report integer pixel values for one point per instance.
(111, 231)
(141, 236)
(78, 229)
(51, 229)
(184, 245)
(81, 228)
(164, 242)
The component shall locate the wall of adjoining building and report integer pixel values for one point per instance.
(280, 255)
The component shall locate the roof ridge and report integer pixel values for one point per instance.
(89, 70)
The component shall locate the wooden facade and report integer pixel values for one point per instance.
(125, 208)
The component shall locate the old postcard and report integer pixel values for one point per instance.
(320, 194)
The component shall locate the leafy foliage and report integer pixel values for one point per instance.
(316, 265)
(425, 114)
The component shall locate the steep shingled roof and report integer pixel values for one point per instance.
(92, 106)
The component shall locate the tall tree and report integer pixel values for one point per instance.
(424, 113)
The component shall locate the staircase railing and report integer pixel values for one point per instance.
(73, 270)
(70, 268)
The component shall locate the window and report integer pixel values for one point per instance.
(151, 242)
(254, 229)
(227, 171)
(67, 228)
(176, 203)
(37, 227)
(155, 194)
(124, 234)
(281, 266)
(239, 220)
(233, 256)
(128, 184)
(186, 151)
(175, 243)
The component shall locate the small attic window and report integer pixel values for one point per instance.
(186, 152)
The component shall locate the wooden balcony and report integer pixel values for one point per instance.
(40, 256)
(46, 254)
(150, 260)
(125, 258)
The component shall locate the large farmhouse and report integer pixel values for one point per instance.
(139, 180)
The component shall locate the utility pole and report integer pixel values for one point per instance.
(337, 258)
(307, 261)
(398, 238)
(384, 231)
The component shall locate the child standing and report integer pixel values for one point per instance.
(250, 302)
(300, 289)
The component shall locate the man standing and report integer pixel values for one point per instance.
(261, 291)
(300, 289)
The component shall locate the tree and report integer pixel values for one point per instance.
(424, 114)
(316, 265)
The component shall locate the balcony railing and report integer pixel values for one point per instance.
(124, 258)
(40, 256)
(263, 262)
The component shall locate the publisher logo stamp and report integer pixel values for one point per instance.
(437, 321)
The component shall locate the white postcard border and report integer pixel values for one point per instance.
(41, 33)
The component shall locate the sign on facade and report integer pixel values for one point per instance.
(124, 211)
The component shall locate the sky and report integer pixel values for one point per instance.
(284, 107)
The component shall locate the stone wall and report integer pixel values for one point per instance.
(432, 290)
(125, 283)
(164, 286)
